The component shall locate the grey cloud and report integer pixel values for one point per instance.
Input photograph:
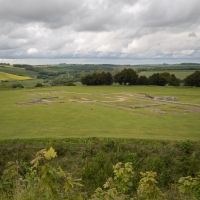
(46, 11)
(101, 28)
(170, 13)
(55, 14)
(192, 35)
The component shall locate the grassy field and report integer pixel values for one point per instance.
(181, 74)
(112, 111)
(7, 76)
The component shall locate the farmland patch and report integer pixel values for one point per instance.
(7, 76)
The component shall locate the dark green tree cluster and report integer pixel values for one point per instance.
(163, 78)
(130, 77)
(193, 79)
(103, 78)
(126, 76)
(143, 80)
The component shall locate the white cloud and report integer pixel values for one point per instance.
(32, 51)
(187, 52)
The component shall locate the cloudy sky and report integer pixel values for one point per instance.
(100, 31)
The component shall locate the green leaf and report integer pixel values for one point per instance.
(62, 172)
(68, 186)
(181, 189)
(50, 154)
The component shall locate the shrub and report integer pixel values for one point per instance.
(96, 171)
(4, 85)
(190, 185)
(42, 181)
(39, 85)
(17, 85)
(117, 187)
(70, 84)
(147, 188)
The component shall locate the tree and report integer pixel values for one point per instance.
(174, 81)
(164, 78)
(131, 77)
(142, 80)
(126, 76)
(154, 79)
(108, 79)
(118, 78)
(193, 79)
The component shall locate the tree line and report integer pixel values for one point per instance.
(130, 77)
(96, 78)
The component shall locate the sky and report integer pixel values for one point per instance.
(99, 31)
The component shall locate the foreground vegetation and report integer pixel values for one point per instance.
(98, 162)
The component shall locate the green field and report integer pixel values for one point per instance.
(17, 71)
(181, 74)
(112, 111)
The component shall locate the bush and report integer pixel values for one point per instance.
(17, 85)
(39, 85)
(60, 80)
(4, 85)
(70, 84)
(190, 185)
(41, 181)
(97, 171)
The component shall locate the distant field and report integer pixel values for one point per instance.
(181, 74)
(7, 76)
(112, 111)
(17, 71)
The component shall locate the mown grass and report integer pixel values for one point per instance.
(181, 74)
(70, 114)
(7, 76)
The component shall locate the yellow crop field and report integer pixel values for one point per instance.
(7, 76)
